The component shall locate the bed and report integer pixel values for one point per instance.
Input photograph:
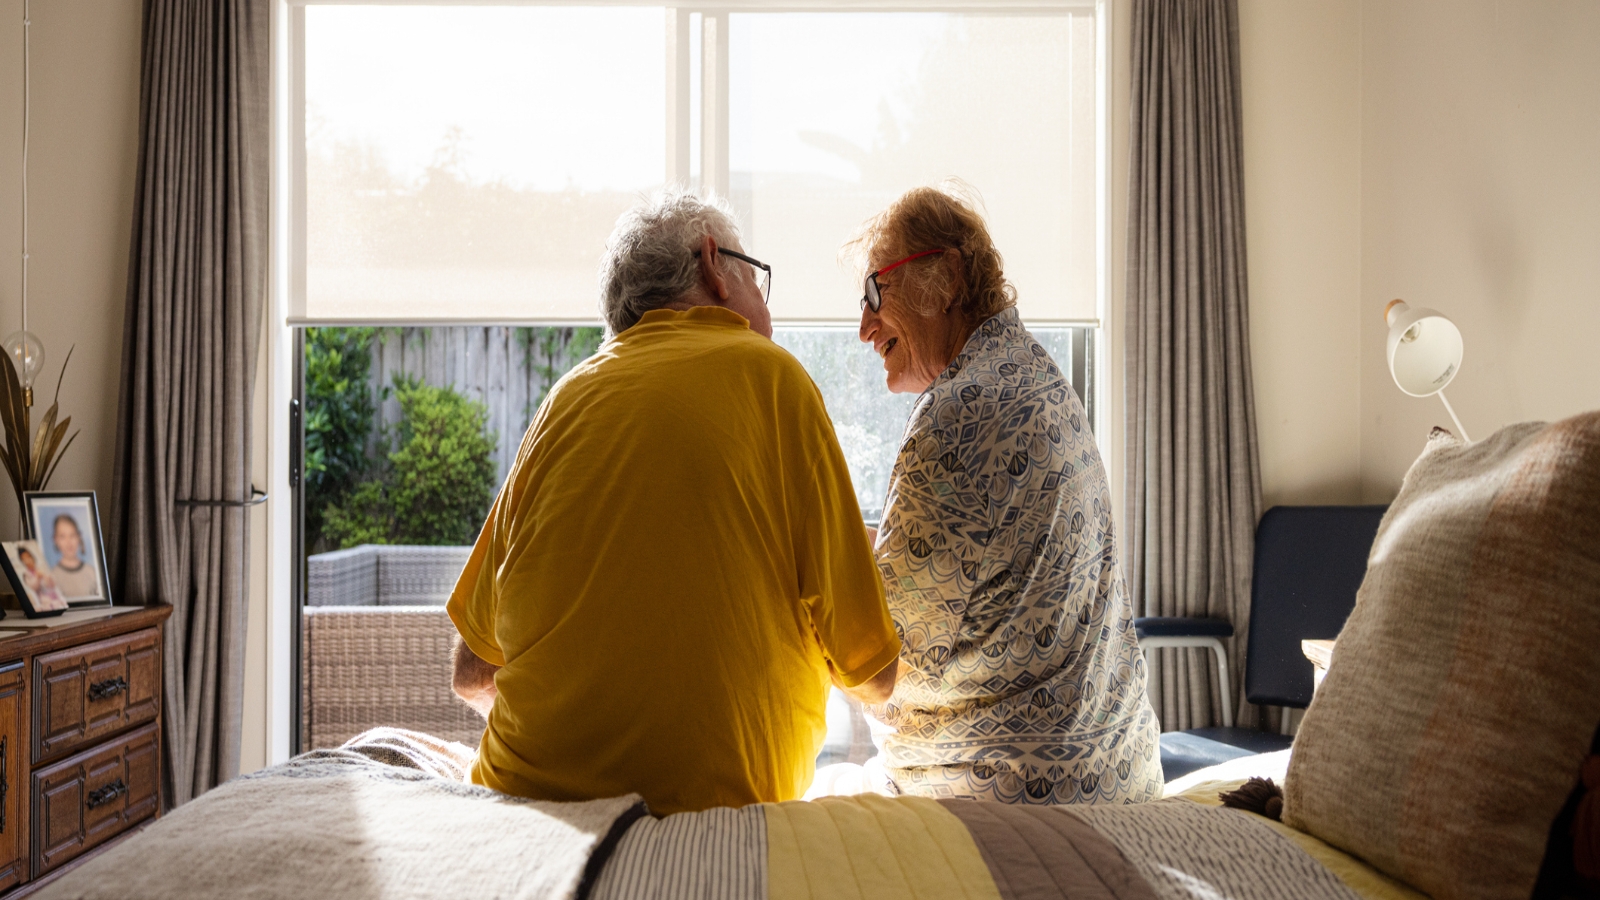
(389, 816)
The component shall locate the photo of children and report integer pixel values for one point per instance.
(74, 574)
(25, 561)
(67, 531)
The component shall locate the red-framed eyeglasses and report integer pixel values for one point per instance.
(873, 298)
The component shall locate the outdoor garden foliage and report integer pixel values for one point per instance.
(428, 476)
(552, 352)
(338, 419)
(434, 484)
(429, 482)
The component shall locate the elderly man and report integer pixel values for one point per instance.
(675, 568)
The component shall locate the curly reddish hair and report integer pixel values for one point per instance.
(938, 217)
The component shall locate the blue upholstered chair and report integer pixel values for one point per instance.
(1309, 564)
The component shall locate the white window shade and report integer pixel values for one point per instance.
(466, 164)
(834, 115)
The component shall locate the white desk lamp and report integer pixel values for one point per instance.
(1424, 353)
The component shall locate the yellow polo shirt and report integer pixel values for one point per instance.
(673, 559)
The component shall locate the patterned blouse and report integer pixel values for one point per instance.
(1021, 678)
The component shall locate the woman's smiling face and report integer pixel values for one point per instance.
(914, 347)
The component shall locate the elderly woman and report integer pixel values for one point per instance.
(1021, 678)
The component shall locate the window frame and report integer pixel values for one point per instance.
(287, 273)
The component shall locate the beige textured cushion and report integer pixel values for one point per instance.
(1465, 687)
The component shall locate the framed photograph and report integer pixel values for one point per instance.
(66, 528)
(30, 579)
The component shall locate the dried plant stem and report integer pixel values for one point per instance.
(30, 457)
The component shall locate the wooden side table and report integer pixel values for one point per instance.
(1321, 654)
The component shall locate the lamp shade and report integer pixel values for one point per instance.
(1424, 348)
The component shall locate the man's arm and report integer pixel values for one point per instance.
(474, 679)
(874, 690)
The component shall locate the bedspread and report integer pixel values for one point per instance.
(389, 817)
(371, 820)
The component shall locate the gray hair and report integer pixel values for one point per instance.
(649, 260)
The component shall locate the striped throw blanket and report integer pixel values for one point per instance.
(921, 849)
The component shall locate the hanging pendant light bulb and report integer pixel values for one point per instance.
(27, 354)
(25, 348)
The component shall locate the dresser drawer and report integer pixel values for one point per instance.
(13, 774)
(83, 694)
(83, 801)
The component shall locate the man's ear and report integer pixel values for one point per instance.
(711, 274)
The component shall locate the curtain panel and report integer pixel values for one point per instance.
(1193, 488)
(196, 284)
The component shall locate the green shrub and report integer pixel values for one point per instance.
(437, 483)
(338, 419)
(364, 516)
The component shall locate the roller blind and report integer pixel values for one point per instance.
(466, 164)
(834, 115)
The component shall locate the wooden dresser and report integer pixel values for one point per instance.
(80, 737)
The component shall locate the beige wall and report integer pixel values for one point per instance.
(1481, 198)
(85, 88)
(83, 150)
(1300, 65)
(1443, 151)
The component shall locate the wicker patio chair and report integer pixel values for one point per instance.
(365, 666)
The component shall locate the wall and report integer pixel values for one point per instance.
(1300, 65)
(83, 151)
(1443, 151)
(85, 89)
(1480, 158)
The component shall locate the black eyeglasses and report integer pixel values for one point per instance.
(766, 270)
(873, 298)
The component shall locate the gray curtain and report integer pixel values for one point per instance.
(196, 283)
(1193, 488)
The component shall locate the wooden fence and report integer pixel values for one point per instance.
(508, 370)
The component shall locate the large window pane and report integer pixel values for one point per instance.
(470, 161)
(833, 115)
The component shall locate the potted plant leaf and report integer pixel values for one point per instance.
(31, 457)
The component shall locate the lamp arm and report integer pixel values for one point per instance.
(1461, 429)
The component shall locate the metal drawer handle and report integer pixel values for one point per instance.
(107, 794)
(108, 688)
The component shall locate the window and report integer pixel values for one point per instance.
(445, 178)
(457, 169)
(833, 115)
